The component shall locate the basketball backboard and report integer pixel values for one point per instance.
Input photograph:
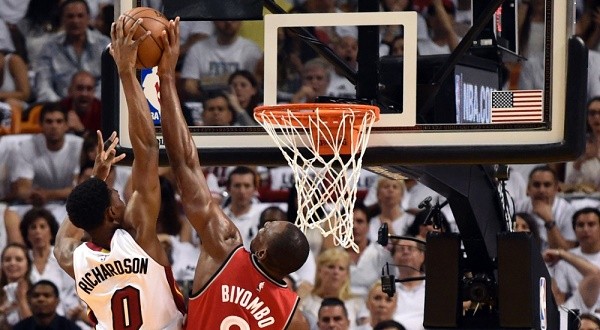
(435, 108)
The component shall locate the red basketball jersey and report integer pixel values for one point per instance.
(241, 296)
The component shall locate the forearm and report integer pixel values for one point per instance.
(582, 265)
(139, 113)
(557, 241)
(57, 194)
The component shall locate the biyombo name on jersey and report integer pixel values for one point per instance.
(98, 274)
(243, 297)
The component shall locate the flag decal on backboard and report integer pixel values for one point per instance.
(517, 106)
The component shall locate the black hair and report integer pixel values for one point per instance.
(215, 94)
(332, 302)
(360, 206)
(293, 241)
(584, 210)
(65, 3)
(33, 214)
(256, 99)
(43, 282)
(383, 325)
(242, 170)
(531, 223)
(87, 203)
(543, 168)
(49, 107)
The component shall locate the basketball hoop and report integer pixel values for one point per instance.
(324, 144)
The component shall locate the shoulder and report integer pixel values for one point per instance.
(95, 37)
(75, 140)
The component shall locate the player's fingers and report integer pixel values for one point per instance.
(99, 141)
(134, 27)
(113, 30)
(115, 140)
(118, 158)
(119, 27)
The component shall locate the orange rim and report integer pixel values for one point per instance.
(330, 113)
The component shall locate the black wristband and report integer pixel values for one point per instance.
(550, 224)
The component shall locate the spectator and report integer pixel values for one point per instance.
(190, 32)
(84, 110)
(553, 213)
(14, 280)
(409, 256)
(583, 174)
(524, 222)
(39, 228)
(45, 166)
(244, 96)
(381, 306)
(332, 280)
(316, 76)
(569, 275)
(333, 315)
(44, 298)
(74, 49)
(588, 25)
(440, 19)
(243, 209)
(389, 198)
(41, 22)
(217, 111)
(209, 62)
(345, 47)
(366, 263)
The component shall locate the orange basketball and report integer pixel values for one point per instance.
(150, 50)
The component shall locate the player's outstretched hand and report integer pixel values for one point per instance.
(106, 155)
(122, 47)
(170, 54)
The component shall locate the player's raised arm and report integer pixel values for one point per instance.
(143, 207)
(69, 236)
(218, 234)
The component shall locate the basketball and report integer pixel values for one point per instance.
(149, 50)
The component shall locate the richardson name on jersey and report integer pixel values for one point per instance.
(246, 299)
(98, 274)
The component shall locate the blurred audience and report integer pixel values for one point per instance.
(14, 280)
(43, 297)
(73, 49)
(84, 109)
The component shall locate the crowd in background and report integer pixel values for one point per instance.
(50, 109)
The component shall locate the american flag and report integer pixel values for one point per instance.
(518, 106)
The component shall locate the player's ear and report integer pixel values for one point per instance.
(261, 253)
(111, 214)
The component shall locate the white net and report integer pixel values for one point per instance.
(325, 151)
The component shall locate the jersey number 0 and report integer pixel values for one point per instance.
(126, 309)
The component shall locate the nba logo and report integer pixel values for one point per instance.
(151, 88)
(543, 318)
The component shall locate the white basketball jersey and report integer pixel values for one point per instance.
(125, 288)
